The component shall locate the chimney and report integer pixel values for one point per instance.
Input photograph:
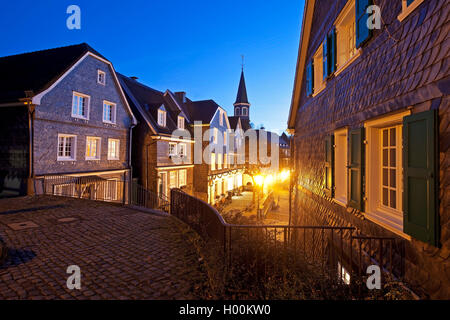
(181, 95)
(134, 78)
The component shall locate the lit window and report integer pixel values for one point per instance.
(346, 34)
(93, 148)
(225, 161)
(344, 275)
(173, 179)
(213, 161)
(340, 166)
(109, 112)
(181, 123)
(219, 161)
(66, 147)
(319, 83)
(182, 178)
(80, 106)
(162, 117)
(182, 149)
(113, 149)
(389, 154)
(172, 149)
(225, 135)
(101, 77)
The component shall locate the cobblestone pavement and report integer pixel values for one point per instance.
(122, 253)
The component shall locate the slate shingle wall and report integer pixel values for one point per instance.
(410, 71)
(53, 116)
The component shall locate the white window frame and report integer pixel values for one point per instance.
(237, 111)
(221, 118)
(113, 111)
(181, 122)
(73, 157)
(162, 117)
(116, 155)
(406, 10)
(88, 106)
(340, 166)
(225, 161)
(182, 178)
(98, 148)
(182, 150)
(391, 219)
(343, 30)
(173, 149)
(319, 82)
(245, 111)
(103, 74)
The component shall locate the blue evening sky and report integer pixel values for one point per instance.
(193, 46)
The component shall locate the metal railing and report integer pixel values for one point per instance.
(143, 197)
(323, 247)
(92, 188)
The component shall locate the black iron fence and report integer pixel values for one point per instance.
(333, 250)
(143, 197)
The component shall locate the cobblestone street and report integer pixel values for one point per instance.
(122, 253)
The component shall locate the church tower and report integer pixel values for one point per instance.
(242, 106)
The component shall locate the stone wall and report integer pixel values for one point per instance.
(404, 65)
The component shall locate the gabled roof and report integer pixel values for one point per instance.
(284, 139)
(146, 101)
(203, 110)
(36, 71)
(301, 61)
(241, 97)
(234, 122)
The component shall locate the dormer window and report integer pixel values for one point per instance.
(180, 122)
(244, 111)
(101, 77)
(162, 116)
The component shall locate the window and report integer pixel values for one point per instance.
(182, 178)
(340, 166)
(113, 149)
(319, 83)
(172, 149)
(101, 77)
(346, 35)
(181, 123)
(182, 149)
(215, 135)
(244, 111)
(408, 6)
(225, 161)
(93, 148)
(66, 147)
(225, 135)
(221, 118)
(219, 161)
(162, 117)
(80, 106)
(173, 179)
(213, 161)
(384, 167)
(344, 275)
(109, 112)
(238, 111)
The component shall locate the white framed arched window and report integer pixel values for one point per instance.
(244, 111)
(162, 116)
(238, 111)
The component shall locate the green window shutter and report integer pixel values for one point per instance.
(363, 33)
(421, 218)
(326, 67)
(310, 78)
(356, 168)
(329, 166)
(333, 51)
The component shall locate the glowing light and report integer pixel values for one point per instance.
(285, 175)
(259, 180)
(269, 179)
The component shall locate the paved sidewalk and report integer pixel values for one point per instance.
(122, 253)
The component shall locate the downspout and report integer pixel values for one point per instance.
(130, 184)
(30, 112)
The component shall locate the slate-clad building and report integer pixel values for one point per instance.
(370, 114)
(63, 113)
(155, 146)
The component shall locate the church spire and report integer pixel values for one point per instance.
(241, 98)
